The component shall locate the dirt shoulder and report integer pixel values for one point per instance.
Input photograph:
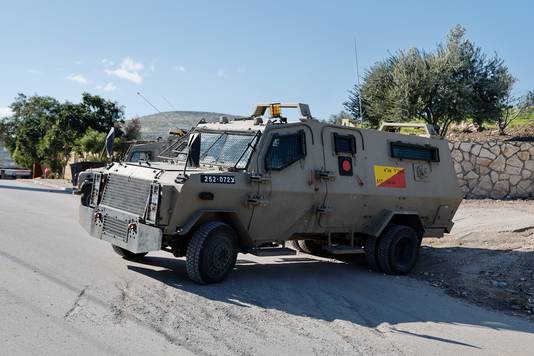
(488, 259)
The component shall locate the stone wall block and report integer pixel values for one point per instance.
(457, 155)
(523, 155)
(485, 153)
(509, 149)
(515, 162)
(498, 164)
(512, 170)
(475, 150)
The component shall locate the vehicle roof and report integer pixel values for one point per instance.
(234, 125)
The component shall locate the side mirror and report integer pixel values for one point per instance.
(193, 148)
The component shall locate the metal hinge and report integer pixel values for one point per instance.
(324, 210)
(325, 175)
(256, 178)
(257, 201)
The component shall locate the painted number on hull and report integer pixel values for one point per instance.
(217, 179)
(390, 177)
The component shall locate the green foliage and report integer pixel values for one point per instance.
(515, 108)
(455, 82)
(91, 142)
(42, 129)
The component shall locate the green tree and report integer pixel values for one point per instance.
(514, 107)
(455, 82)
(42, 129)
(92, 142)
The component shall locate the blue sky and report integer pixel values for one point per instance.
(226, 56)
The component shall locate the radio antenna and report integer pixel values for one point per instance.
(149, 103)
(168, 102)
(358, 80)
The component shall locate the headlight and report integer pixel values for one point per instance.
(153, 202)
(95, 192)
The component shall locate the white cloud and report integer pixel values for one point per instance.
(5, 112)
(179, 68)
(108, 87)
(78, 78)
(221, 73)
(33, 71)
(107, 63)
(129, 70)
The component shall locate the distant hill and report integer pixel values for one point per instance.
(158, 125)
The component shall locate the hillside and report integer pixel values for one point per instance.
(158, 125)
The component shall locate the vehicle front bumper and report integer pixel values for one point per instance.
(147, 238)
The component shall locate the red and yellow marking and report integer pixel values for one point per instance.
(390, 177)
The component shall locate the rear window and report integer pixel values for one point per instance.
(414, 152)
(285, 150)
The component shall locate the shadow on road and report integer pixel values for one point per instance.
(329, 291)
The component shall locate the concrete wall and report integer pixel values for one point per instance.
(494, 169)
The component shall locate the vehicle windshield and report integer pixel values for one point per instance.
(226, 148)
(221, 148)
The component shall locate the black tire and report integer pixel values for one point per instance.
(311, 247)
(398, 249)
(212, 253)
(127, 254)
(85, 194)
(371, 253)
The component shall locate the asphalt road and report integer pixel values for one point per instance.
(63, 293)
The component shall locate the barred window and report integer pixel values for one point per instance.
(344, 143)
(285, 150)
(414, 152)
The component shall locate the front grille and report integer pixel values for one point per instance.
(126, 193)
(115, 228)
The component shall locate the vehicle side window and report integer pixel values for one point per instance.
(141, 156)
(344, 144)
(285, 150)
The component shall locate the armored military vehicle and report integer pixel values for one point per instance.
(253, 185)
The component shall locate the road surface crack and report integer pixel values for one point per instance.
(76, 304)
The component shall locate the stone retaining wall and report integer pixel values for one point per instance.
(494, 169)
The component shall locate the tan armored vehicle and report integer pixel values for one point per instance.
(253, 185)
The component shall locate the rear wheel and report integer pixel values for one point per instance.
(212, 253)
(371, 252)
(127, 254)
(398, 249)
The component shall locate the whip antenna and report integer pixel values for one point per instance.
(149, 103)
(358, 80)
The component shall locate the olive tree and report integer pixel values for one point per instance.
(455, 82)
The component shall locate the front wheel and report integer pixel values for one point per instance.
(212, 253)
(311, 247)
(127, 254)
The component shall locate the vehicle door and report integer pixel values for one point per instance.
(344, 179)
(284, 199)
